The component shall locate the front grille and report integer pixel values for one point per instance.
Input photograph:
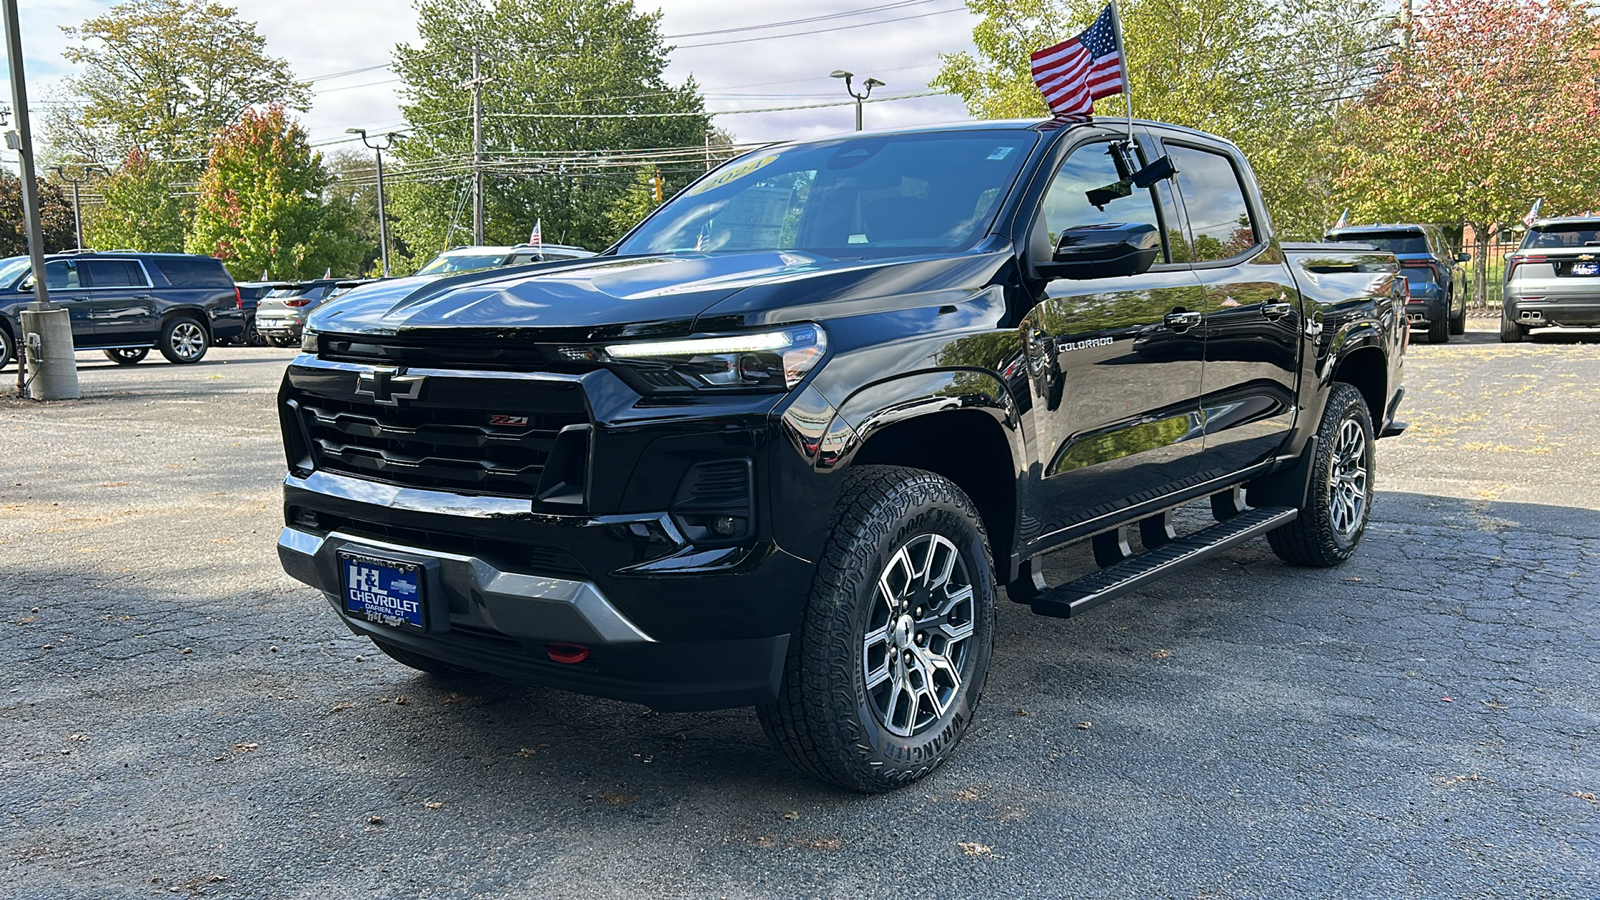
(510, 556)
(432, 447)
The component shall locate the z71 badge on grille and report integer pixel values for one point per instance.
(508, 420)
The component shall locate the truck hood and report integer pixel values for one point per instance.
(613, 297)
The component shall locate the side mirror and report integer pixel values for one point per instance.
(1103, 251)
(1463, 257)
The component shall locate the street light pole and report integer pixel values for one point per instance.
(77, 217)
(383, 224)
(46, 330)
(869, 84)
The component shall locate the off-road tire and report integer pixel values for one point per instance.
(1511, 332)
(826, 720)
(422, 663)
(184, 340)
(1314, 539)
(127, 356)
(1439, 332)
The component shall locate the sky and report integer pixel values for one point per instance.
(321, 38)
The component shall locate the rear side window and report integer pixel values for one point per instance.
(193, 271)
(114, 273)
(1213, 196)
(1553, 237)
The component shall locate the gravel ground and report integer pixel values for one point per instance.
(178, 717)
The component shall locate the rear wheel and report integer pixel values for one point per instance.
(127, 356)
(1334, 514)
(184, 340)
(422, 663)
(1439, 332)
(8, 347)
(1511, 332)
(884, 676)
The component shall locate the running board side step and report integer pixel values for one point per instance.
(1091, 590)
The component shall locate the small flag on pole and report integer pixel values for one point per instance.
(536, 239)
(1533, 213)
(702, 240)
(1344, 219)
(1078, 71)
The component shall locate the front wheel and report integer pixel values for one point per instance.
(184, 340)
(884, 676)
(127, 356)
(7, 347)
(1334, 514)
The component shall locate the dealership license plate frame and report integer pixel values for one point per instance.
(432, 612)
(1584, 269)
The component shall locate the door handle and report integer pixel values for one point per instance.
(143, 297)
(1276, 310)
(1181, 319)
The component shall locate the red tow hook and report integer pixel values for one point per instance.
(569, 653)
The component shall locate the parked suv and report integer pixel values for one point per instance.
(281, 312)
(784, 444)
(1553, 278)
(468, 259)
(1438, 282)
(125, 303)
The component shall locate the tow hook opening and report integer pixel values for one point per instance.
(569, 653)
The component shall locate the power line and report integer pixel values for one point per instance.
(837, 15)
(769, 37)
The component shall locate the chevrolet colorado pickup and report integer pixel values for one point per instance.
(785, 442)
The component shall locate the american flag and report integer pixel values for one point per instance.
(536, 240)
(1076, 72)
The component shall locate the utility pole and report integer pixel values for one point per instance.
(46, 330)
(383, 225)
(77, 217)
(477, 150)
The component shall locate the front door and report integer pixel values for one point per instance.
(1253, 319)
(1115, 364)
(64, 280)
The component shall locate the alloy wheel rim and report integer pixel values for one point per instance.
(916, 655)
(187, 339)
(1347, 488)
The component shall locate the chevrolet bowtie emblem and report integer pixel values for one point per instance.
(387, 387)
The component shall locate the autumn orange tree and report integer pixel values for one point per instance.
(1485, 107)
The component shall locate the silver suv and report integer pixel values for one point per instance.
(1553, 278)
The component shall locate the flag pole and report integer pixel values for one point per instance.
(1122, 49)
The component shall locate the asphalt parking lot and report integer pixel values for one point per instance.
(177, 717)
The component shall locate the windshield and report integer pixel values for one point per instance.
(1393, 241)
(461, 262)
(884, 195)
(11, 268)
(1555, 237)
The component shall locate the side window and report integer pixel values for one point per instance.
(1219, 217)
(62, 275)
(1177, 241)
(113, 273)
(1090, 167)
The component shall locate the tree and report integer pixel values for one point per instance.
(354, 186)
(55, 217)
(1267, 75)
(161, 77)
(1495, 104)
(143, 208)
(262, 207)
(547, 66)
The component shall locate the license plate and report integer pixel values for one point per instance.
(1586, 268)
(383, 590)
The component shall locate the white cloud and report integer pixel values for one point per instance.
(319, 37)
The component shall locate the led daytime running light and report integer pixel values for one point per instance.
(752, 343)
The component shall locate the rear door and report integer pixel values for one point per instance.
(1253, 318)
(120, 302)
(1115, 374)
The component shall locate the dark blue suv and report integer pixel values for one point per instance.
(124, 303)
(1438, 283)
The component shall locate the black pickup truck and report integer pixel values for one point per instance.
(785, 442)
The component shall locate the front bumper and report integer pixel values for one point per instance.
(504, 622)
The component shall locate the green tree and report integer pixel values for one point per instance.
(1494, 105)
(1267, 75)
(630, 208)
(143, 208)
(161, 77)
(55, 217)
(262, 204)
(354, 187)
(546, 66)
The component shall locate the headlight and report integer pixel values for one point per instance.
(308, 341)
(770, 360)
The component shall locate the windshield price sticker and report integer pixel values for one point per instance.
(734, 174)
